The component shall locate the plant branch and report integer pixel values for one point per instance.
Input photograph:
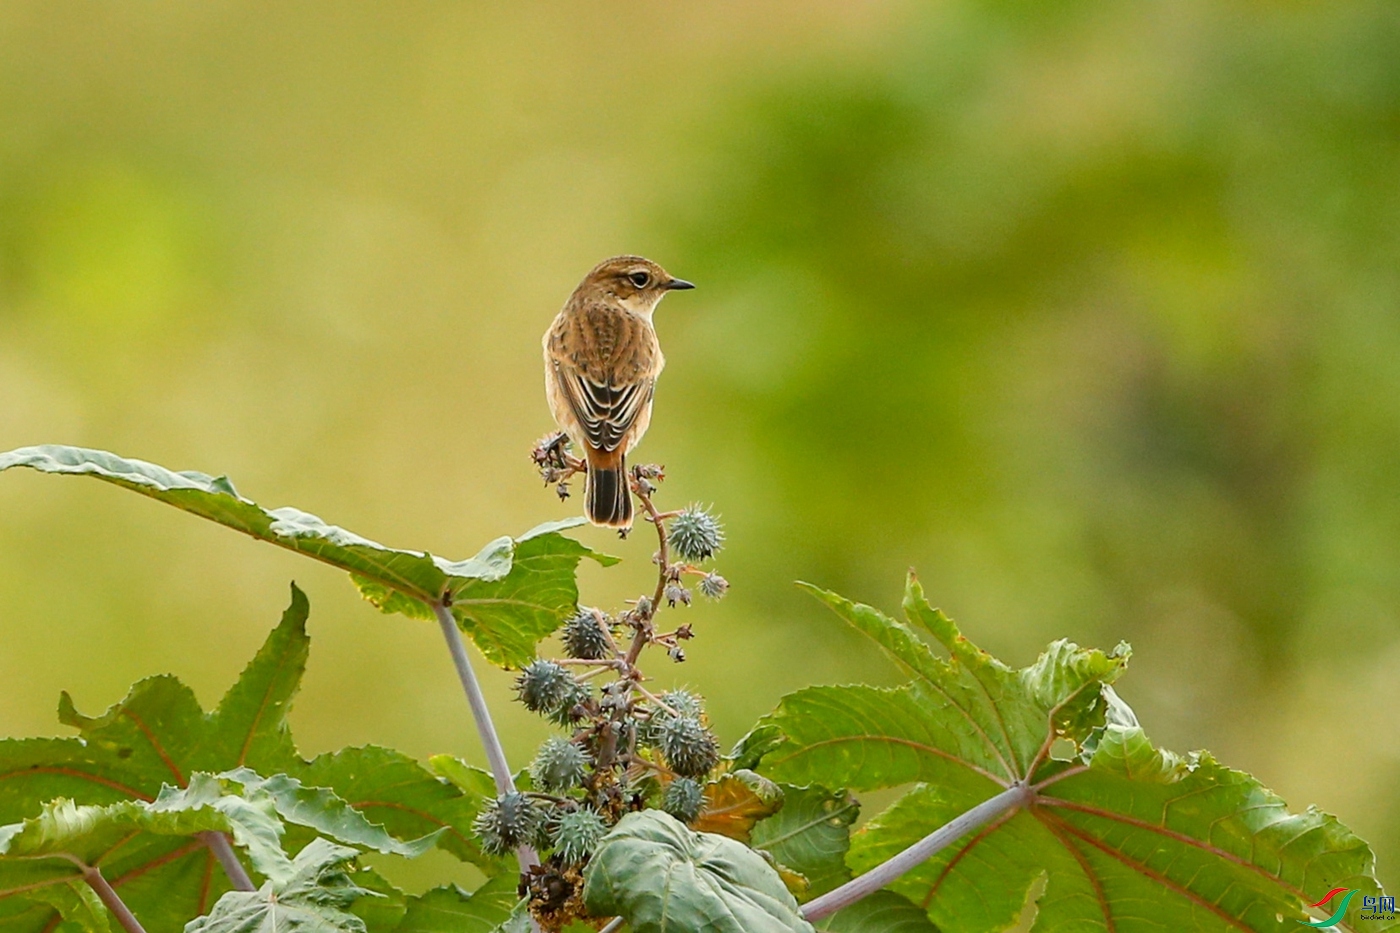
(490, 740)
(219, 844)
(594, 672)
(93, 876)
(663, 560)
(1018, 795)
(654, 699)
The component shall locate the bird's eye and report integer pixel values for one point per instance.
(640, 279)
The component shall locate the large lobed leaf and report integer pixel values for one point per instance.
(158, 736)
(314, 897)
(43, 858)
(508, 597)
(1126, 837)
(158, 744)
(663, 878)
(970, 721)
(408, 800)
(325, 812)
(325, 894)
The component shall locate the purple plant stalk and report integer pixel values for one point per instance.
(105, 893)
(490, 740)
(1017, 795)
(219, 844)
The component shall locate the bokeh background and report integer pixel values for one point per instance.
(1089, 311)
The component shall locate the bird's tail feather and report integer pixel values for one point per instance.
(609, 501)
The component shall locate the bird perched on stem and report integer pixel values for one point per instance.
(601, 360)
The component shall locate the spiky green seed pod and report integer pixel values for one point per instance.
(683, 799)
(577, 834)
(584, 636)
(714, 586)
(559, 765)
(570, 711)
(509, 821)
(682, 702)
(549, 816)
(696, 534)
(690, 748)
(543, 686)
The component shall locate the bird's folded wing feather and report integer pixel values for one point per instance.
(605, 411)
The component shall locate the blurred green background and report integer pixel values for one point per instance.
(1086, 310)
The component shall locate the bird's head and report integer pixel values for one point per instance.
(635, 283)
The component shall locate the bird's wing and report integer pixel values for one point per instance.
(606, 412)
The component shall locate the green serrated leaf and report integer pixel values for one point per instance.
(449, 909)
(63, 838)
(508, 618)
(881, 912)
(72, 835)
(473, 781)
(923, 810)
(42, 859)
(748, 752)
(663, 878)
(315, 898)
(157, 738)
(1126, 837)
(77, 906)
(150, 737)
(872, 737)
(990, 719)
(810, 835)
(406, 798)
(381, 914)
(159, 735)
(326, 812)
(249, 727)
(253, 823)
(518, 921)
(507, 597)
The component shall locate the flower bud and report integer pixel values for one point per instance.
(675, 593)
(714, 586)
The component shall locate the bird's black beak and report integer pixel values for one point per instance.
(678, 285)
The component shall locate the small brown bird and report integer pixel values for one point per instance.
(601, 360)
